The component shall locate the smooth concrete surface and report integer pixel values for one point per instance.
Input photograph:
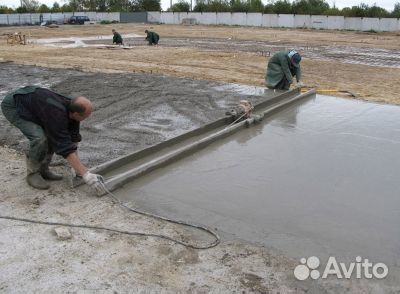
(320, 178)
(131, 169)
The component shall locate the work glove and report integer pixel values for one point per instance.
(96, 182)
(300, 85)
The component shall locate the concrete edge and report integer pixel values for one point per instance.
(145, 168)
(115, 163)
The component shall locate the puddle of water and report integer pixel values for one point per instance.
(163, 118)
(317, 179)
(244, 89)
(74, 42)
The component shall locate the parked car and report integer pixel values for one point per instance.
(78, 19)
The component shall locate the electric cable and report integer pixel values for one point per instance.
(119, 202)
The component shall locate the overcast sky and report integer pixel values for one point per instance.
(387, 4)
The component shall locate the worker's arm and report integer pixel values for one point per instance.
(298, 74)
(76, 164)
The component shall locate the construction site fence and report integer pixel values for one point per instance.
(218, 18)
(60, 18)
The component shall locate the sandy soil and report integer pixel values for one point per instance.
(219, 63)
(32, 259)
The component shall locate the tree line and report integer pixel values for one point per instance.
(308, 7)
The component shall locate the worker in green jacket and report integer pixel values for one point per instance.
(152, 37)
(282, 67)
(117, 39)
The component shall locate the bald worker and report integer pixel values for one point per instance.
(51, 123)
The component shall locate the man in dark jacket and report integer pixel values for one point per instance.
(117, 39)
(51, 123)
(282, 67)
(152, 37)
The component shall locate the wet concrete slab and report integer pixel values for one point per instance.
(132, 111)
(320, 178)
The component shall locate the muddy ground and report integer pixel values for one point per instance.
(365, 64)
(132, 111)
(142, 96)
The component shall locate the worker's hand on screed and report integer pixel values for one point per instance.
(95, 182)
(300, 85)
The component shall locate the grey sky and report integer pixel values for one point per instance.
(387, 4)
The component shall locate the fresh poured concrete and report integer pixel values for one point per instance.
(320, 178)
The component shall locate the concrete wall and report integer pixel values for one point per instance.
(154, 16)
(352, 23)
(129, 17)
(34, 18)
(270, 20)
(227, 18)
(286, 20)
(302, 21)
(335, 22)
(386, 24)
(239, 19)
(224, 18)
(319, 21)
(281, 20)
(254, 19)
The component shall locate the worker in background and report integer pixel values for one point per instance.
(282, 67)
(152, 37)
(117, 39)
(51, 123)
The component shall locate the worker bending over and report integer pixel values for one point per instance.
(282, 67)
(117, 39)
(51, 123)
(152, 37)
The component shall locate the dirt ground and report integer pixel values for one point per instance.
(340, 68)
(161, 92)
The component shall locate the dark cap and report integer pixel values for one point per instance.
(295, 58)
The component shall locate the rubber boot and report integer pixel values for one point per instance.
(34, 178)
(45, 172)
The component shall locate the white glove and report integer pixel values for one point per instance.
(300, 85)
(95, 182)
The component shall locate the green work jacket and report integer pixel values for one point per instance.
(280, 66)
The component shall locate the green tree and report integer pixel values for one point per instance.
(396, 10)
(269, 9)
(146, 5)
(118, 5)
(332, 11)
(43, 8)
(75, 5)
(255, 6)
(239, 6)
(283, 7)
(66, 8)
(200, 6)
(310, 7)
(218, 6)
(21, 9)
(56, 7)
(376, 11)
(5, 10)
(181, 6)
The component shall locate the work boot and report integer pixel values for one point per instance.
(45, 172)
(34, 178)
